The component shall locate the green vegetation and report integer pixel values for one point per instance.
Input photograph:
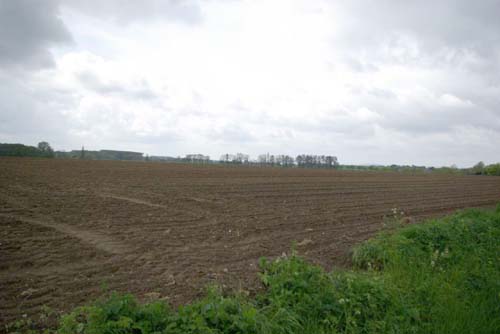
(478, 169)
(100, 155)
(448, 270)
(438, 277)
(481, 169)
(20, 150)
(492, 170)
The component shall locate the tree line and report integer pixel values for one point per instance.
(282, 160)
(482, 169)
(43, 149)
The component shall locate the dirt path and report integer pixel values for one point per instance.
(132, 200)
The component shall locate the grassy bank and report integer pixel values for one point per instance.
(442, 276)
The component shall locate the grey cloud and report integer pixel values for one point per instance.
(455, 23)
(31, 111)
(421, 117)
(357, 66)
(425, 114)
(125, 11)
(342, 124)
(382, 93)
(374, 92)
(28, 29)
(429, 33)
(335, 123)
(139, 90)
(230, 133)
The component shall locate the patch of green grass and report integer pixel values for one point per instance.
(448, 268)
(442, 276)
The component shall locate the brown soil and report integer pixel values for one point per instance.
(70, 228)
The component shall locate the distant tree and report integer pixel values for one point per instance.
(310, 160)
(493, 169)
(478, 168)
(262, 159)
(227, 158)
(45, 148)
(238, 158)
(272, 159)
(241, 158)
(19, 150)
(196, 158)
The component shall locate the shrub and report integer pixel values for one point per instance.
(447, 268)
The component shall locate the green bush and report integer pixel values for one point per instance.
(117, 314)
(330, 303)
(493, 169)
(449, 269)
(214, 314)
(20, 150)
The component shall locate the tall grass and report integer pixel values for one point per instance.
(442, 276)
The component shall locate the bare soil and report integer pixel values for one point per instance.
(71, 229)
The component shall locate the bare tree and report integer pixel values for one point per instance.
(310, 160)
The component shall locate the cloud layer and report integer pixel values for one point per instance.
(27, 30)
(371, 82)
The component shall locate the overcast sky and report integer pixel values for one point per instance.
(386, 81)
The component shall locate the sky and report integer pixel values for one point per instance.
(371, 82)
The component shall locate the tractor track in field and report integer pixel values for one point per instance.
(99, 241)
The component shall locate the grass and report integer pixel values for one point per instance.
(442, 276)
(448, 269)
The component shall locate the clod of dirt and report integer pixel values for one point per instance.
(304, 242)
(171, 280)
(28, 292)
(151, 296)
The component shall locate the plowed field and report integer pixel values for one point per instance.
(69, 229)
